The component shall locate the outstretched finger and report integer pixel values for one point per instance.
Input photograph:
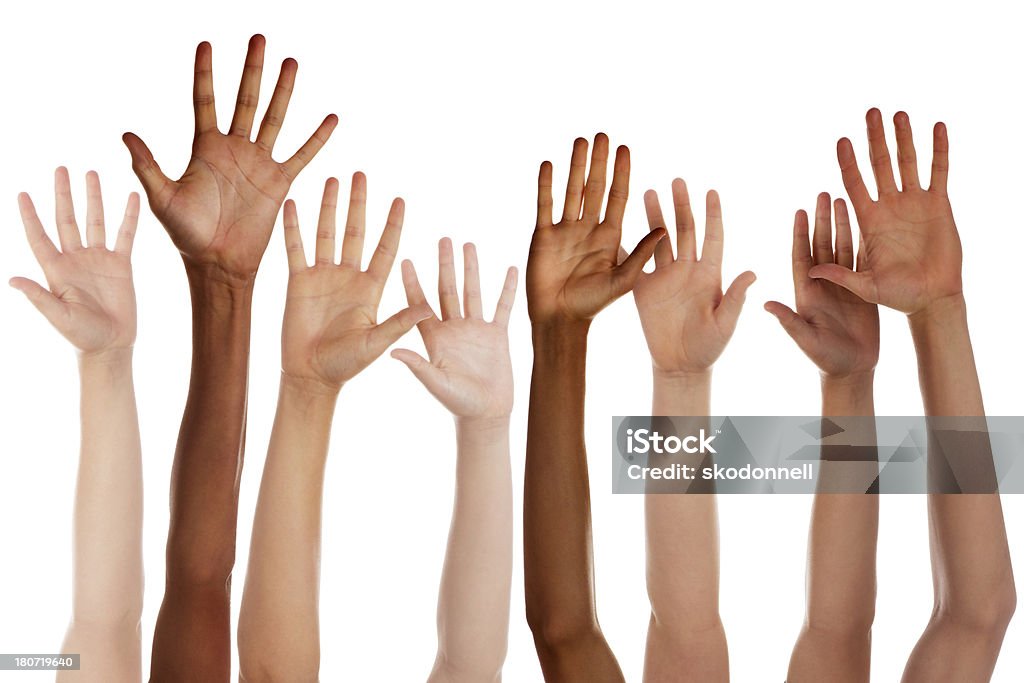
(126, 233)
(544, 200)
(503, 311)
(796, 327)
(249, 88)
(844, 235)
(728, 311)
(852, 180)
(414, 292)
(593, 193)
(447, 289)
(49, 305)
(312, 146)
(619, 191)
(154, 182)
(202, 90)
(822, 239)
(714, 231)
(860, 284)
(67, 227)
(655, 219)
(625, 274)
(432, 377)
(881, 163)
(391, 330)
(326, 224)
(472, 303)
(355, 223)
(940, 159)
(387, 246)
(906, 155)
(293, 239)
(802, 261)
(95, 233)
(278, 107)
(686, 229)
(38, 241)
(574, 186)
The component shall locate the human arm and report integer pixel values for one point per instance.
(470, 372)
(90, 299)
(839, 332)
(330, 333)
(573, 272)
(219, 215)
(687, 321)
(914, 264)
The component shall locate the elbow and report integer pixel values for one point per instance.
(480, 669)
(553, 634)
(847, 622)
(988, 617)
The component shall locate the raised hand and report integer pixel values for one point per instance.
(91, 299)
(835, 328)
(685, 317)
(574, 268)
(222, 210)
(330, 328)
(911, 254)
(469, 370)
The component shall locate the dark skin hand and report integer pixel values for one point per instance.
(220, 214)
(574, 271)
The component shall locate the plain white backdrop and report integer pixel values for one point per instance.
(453, 106)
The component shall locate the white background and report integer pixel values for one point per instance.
(453, 107)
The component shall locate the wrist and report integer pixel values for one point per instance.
(106, 357)
(944, 313)
(310, 388)
(851, 394)
(494, 426)
(212, 279)
(682, 380)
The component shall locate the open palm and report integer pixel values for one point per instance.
(469, 368)
(686, 319)
(222, 210)
(835, 328)
(330, 331)
(91, 298)
(911, 252)
(574, 268)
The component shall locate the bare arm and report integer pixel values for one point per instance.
(687, 321)
(573, 273)
(219, 215)
(329, 335)
(91, 301)
(914, 264)
(470, 372)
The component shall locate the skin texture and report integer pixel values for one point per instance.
(575, 269)
(220, 215)
(687, 322)
(470, 372)
(839, 333)
(330, 333)
(90, 299)
(912, 262)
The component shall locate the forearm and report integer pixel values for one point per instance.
(278, 630)
(558, 552)
(835, 642)
(686, 641)
(108, 577)
(473, 601)
(974, 587)
(192, 639)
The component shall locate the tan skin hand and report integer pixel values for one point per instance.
(91, 298)
(685, 317)
(470, 370)
(911, 256)
(835, 328)
(330, 330)
(574, 268)
(222, 210)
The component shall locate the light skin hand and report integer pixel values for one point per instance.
(575, 264)
(911, 255)
(685, 316)
(469, 371)
(221, 211)
(89, 296)
(835, 328)
(330, 328)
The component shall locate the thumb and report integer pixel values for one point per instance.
(860, 284)
(388, 332)
(626, 273)
(796, 327)
(728, 311)
(49, 305)
(153, 180)
(431, 377)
